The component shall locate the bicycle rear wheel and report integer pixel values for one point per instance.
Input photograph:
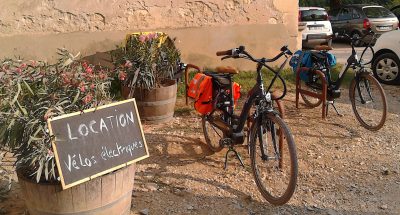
(212, 134)
(368, 101)
(313, 85)
(273, 159)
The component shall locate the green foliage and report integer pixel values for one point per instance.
(146, 60)
(32, 92)
(247, 79)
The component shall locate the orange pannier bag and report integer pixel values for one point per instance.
(200, 89)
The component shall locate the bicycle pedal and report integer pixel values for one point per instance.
(225, 142)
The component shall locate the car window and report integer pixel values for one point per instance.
(356, 15)
(345, 14)
(313, 15)
(377, 12)
(334, 13)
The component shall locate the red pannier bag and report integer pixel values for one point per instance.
(201, 90)
(236, 92)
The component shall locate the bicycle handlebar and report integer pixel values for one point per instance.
(222, 53)
(354, 38)
(241, 53)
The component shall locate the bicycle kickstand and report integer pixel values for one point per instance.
(231, 149)
(334, 107)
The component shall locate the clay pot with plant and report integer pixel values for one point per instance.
(145, 68)
(30, 93)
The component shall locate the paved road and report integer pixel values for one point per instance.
(343, 50)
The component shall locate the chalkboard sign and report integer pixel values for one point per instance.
(96, 141)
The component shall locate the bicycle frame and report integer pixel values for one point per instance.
(352, 62)
(258, 92)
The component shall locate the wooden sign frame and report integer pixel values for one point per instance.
(53, 142)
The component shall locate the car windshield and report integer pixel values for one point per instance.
(378, 12)
(313, 15)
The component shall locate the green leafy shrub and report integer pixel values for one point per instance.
(33, 91)
(146, 61)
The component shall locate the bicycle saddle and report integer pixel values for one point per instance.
(226, 69)
(323, 48)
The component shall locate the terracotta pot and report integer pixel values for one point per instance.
(155, 105)
(106, 195)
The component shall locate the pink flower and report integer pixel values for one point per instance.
(151, 36)
(88, 98)
(84, 65)
(82, 87)
(128, 64)
(23, 66)
(102, 76)
(50, 153)
(142, 38)
(122, 76)
(89, 70)
(92, 86)
(19, 70)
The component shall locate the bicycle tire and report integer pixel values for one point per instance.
(287, 139)
(357, 109)
(208, 131)
(309, 101)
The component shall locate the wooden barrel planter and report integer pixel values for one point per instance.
(104, 195)
(155, 105)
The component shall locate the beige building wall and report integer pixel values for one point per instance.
(35, 28)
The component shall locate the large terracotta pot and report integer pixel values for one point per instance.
(155, 105)
(104, 195)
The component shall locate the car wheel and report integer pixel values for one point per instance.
(386, 68)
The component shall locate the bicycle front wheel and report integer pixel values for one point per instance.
(368, 101)
(273, 159)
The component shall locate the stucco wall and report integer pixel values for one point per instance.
(35, 28)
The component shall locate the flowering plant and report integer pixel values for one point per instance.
(33, 91)
(146, 61)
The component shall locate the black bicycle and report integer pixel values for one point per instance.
(367, 96)
(271, 145)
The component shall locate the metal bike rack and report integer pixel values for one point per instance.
(322, 96)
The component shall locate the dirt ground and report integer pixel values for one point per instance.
(343, 168)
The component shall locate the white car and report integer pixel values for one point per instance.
(386, 61)
(316, 26)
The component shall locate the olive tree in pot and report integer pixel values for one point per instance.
(30, 93)
(145, 68)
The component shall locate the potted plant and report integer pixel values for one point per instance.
(30, 93)
(146, 66)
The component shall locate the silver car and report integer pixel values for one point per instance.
(356, 20)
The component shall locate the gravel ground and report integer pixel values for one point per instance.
(343, 168)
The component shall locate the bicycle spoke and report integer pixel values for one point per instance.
(275, 181)
(215, 130)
